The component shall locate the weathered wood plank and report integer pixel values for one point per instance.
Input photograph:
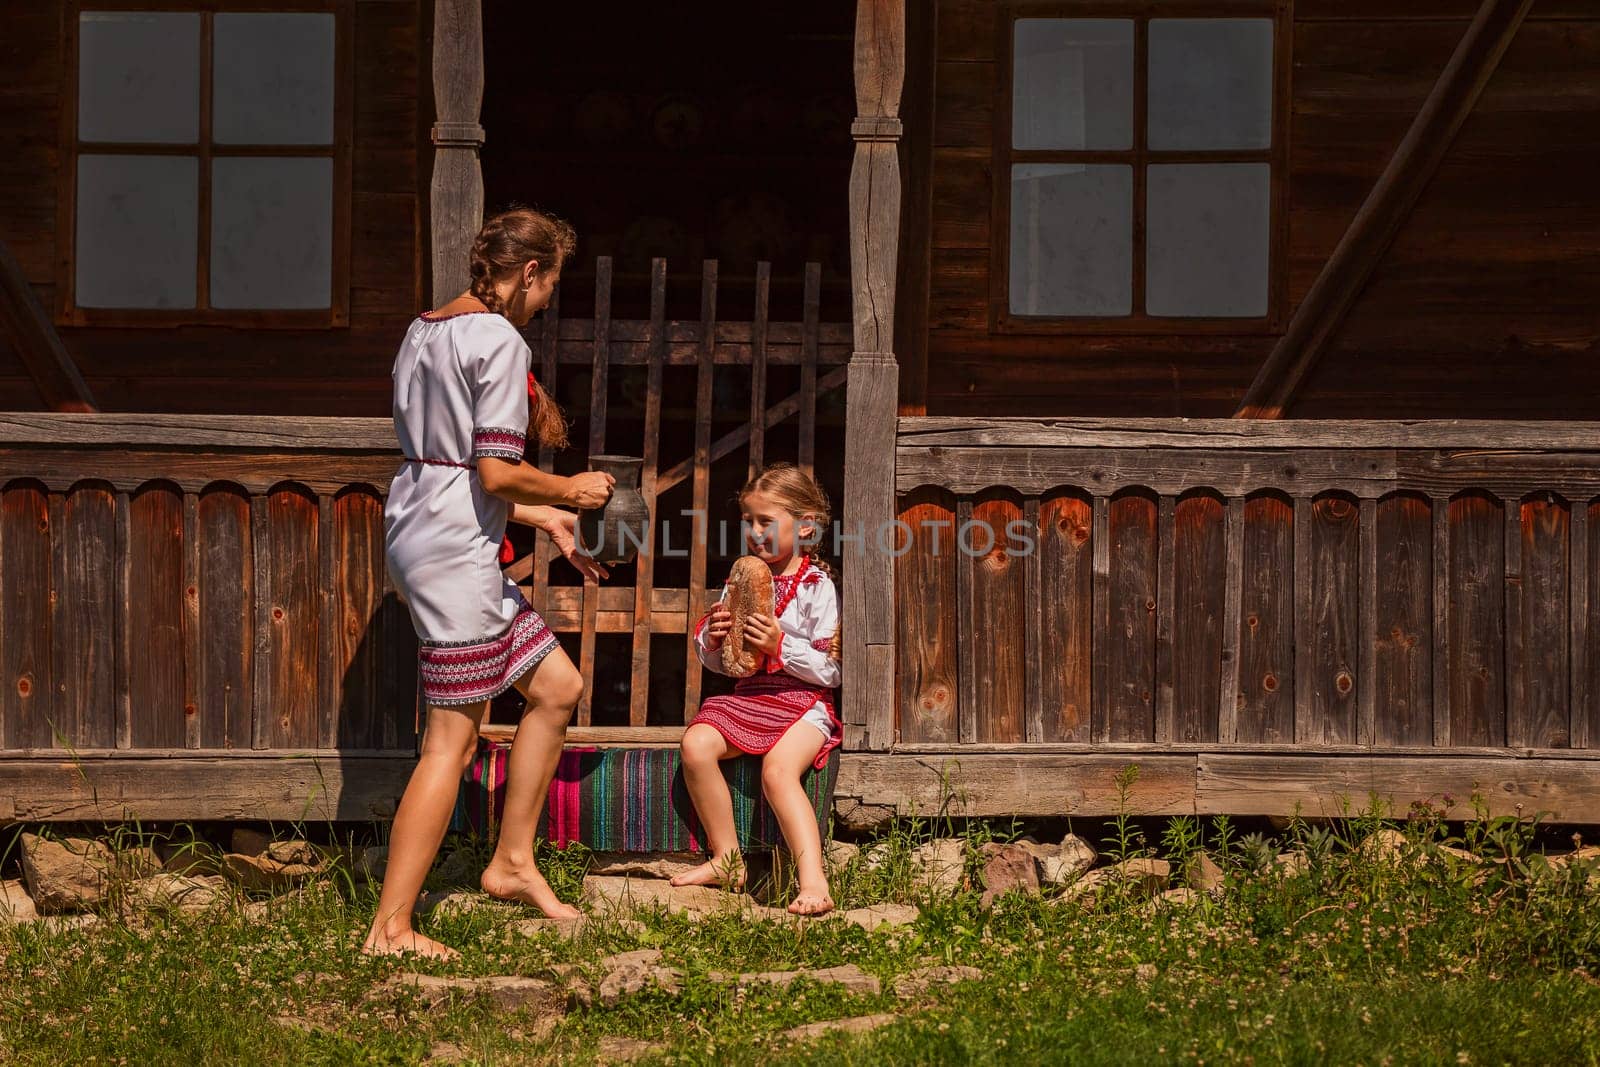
(1166, 593)
(1066, 651)
(329, 661)
(998, 617)
(156, 680)
(122, 607)
(869, 495)
(1032, 625)
(1477, 621)
(1334, 620)
(1131, 651)
(192, 637)
(1266, 638)
(1303, 609)
(645, 566)
(700, 520)
(1439, 514)
(810, 356)
(1229, 701)
(1401, 635)
(456, 203)
(1366, 636)
(966, 628)
(1539, 706)
(598, 379)
(758, 369)
(356, 627)
(293, 618)
(60, 469)
(228, 583)
(1100, 634)
(83, 649)
(926, 591)
(35, 341)
(1199, 588)
(1578, 616)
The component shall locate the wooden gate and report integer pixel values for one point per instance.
(636, 370)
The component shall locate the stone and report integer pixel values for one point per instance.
(872, 917)
(192, 857)
(177, 892)
(1385, 846)
(56, 924)
(245, 841)
(566, 929)
(141, 861)
(837, 855)
(1587, 854)
(1007, 869)
(628, 973)
(696, 901)
(1088, 886)
(614, 1048)
(859, 1024)
(16, 906)
(1072, 858)
(72, 874)
(461, 902)
(642, 864)
(290, 853)
(940, 864)
(371, 863)
(460, 868)
(1291, 864)
(261, 874)
(508, 992)
(917, 983)
(1203, 875)
(447, 1052)
(1145, 876)
(849, 976)
(1180, 897)
(876, 856)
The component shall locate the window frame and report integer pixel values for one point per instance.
(1139, 156)
(340, 151)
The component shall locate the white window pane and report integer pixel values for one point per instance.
(271, 232)
(137, 231)
(273, 78)
(139, 76)
(1072, 84)
(1071, 239)
(1207, 239)
(1210, 83)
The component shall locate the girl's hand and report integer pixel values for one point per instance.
(561, 525)
(761, 632)
(588, 490)
(718, 628)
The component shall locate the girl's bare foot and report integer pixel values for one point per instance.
(379, 943)
(811, 904)
(727, 873)
(525, 885)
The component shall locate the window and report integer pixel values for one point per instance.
(1135, 168)
(207, 164)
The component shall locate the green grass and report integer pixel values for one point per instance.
(1356, 960)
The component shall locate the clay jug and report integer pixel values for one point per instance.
(615, 532)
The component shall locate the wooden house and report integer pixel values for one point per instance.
(1201, 383)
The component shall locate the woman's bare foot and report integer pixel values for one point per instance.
(379, 943)
(525, 885)
(728, 873)
(811, 904)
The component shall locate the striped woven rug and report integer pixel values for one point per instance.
(629, 799)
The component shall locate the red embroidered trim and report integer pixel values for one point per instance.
(439, 462)
(823, 644)
(464, 674)
(428, 316)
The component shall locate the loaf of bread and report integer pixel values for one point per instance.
(749, 594)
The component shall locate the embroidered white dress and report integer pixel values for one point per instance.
(460, 393)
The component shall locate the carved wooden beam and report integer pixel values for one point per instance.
(872, 393)
(36, 342)
(1415, 159)
(457, 194)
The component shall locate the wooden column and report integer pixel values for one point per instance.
(457, 194)
(873, 392)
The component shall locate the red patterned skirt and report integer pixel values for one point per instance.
(472, 671)
(761, 710)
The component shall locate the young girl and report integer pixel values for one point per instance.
(463, 397)
(784, 711)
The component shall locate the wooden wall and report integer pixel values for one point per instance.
(218, 369)
(1487, 304)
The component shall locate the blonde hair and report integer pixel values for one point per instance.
(503, 245)
(798, 493)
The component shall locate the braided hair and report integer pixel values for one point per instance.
(506, 242)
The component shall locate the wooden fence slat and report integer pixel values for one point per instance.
(122, 611)
(1440, 513)
(1477, 619)
(598, 384)
(702, 473)
(1198, 591)
(1578, 620)
(644, 580)
(1516, 690)
(1333, 623)
(192, 722)
(1542, 691)
(156, 671)
(294, 618)
(966, 630)
(85, 652)
(1403, 649)
(1100, 540)
(810, 338)
(26, 689)
(1166, 594)
(329, 660)
(1032, 627)
(758, 370)
(1131, 588)
(227, 605)
(1367, 626)
(1303, 661)
(549, 345)
(1065, 665)
(925, 580)
(1267, 602)
(261, 709)
(1232, 597)
(998, 619)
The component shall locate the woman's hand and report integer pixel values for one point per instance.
(761, 632)
(561, 526)
(718, 628)
(589, 490)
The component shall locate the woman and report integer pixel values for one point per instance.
(462, 398)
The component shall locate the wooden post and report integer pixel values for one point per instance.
(457, 194)
(872, 395)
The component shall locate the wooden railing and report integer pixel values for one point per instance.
(1367, 584)
(194, 582)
